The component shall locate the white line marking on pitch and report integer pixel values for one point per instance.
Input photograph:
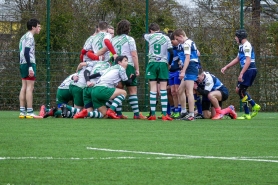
(189, 156)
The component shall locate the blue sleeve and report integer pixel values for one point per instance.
(27, 56)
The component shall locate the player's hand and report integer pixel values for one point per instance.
(181, 76)
(31, 72)
(115, 56)
(75, 78)
(137, 72)
(90, 84)
(223, 70)
(240, 79)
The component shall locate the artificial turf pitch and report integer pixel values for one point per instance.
(104, 151)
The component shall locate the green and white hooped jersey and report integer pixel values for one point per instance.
(95, 43)
(112, 76)
(97, 67)
(27, 41)
(158, 47)
(65, 84)
(124, 45)
(81, 79)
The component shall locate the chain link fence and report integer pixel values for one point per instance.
(264, 91)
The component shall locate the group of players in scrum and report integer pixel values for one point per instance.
(108, 64)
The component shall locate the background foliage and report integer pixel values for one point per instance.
(210, 23)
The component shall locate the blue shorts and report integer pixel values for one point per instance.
(174, 78)
(248, 77)
(190, 77)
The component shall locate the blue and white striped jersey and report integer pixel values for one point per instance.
(246, 50)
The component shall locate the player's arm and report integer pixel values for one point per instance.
(87, 78)
(171, 55)
(185, 65)
(95, 75)
(80, 65)
(93, 56)
(82, 53)
(245, 67)
(202, 91)
(110, 47)
(208, 87)
(232, 63)
(130, 80)
(102, 51)
(135, 61)
(27, 58)
(87, 75)
(247, 52)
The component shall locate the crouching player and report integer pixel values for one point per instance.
(63, 96)
(106, 90)
(216, 93)
(91, 74)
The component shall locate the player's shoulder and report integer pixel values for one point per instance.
(247, 44)
(188, 41)
(129, 38)
(28, 35)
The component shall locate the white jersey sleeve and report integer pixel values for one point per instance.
(27, 41)
(65, 84)
(247, 49)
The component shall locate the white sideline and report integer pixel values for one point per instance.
(166, 156)
(256, 159)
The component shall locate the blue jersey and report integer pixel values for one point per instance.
(178, 58)
(190, 48)
(246, 50)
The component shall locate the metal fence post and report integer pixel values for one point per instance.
(48, 55)
(146, 57)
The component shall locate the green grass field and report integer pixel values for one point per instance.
(94, 151)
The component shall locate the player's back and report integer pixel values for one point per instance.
(124, 45)
(158, 46)
(112, 76)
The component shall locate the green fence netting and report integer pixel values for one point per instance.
(264, 91)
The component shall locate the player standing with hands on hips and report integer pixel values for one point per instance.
(28, 68)
(246, 58)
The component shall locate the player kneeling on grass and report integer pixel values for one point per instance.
(63, 96)
(105, 88)
(216, 93)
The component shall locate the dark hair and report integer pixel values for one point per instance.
(154, 27)
(200, 71)
(103, 25)
(120, 58)
(32, 23)
(171, 35)
(123, 27)
(96, 28)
